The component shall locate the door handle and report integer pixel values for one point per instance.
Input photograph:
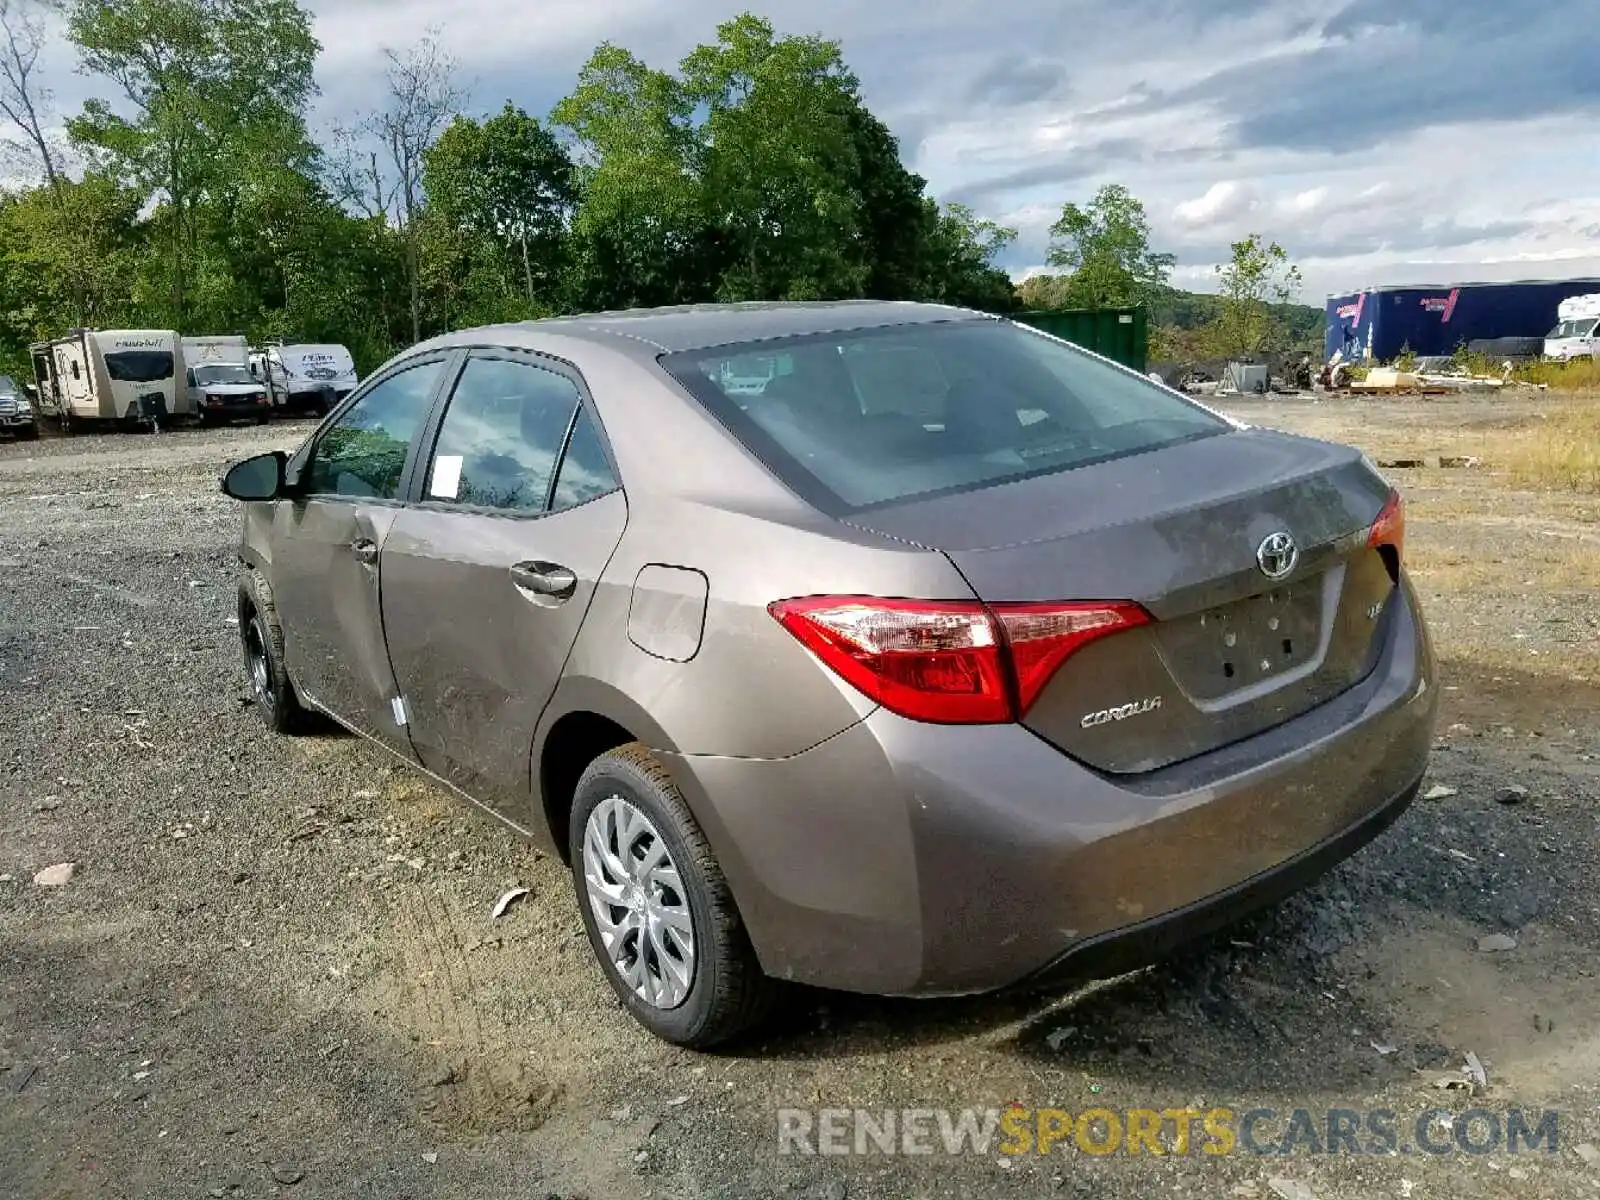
(545, 579)
(365, 550)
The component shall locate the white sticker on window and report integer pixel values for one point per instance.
(446, 476)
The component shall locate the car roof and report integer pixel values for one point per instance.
(702, 326)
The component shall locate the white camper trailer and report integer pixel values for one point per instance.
(218, 381)
(305, 377)
(94, 375)
(1577, 331)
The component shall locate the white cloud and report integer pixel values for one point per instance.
(1223, 202)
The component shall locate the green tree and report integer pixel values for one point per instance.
(1106, 246)
(780, 163)
(1044, 291)
(755, 170)
(506, 187)
(1258, 277)
(640, 235)
(960, 249)
(896, 218)
(68, 257)
(216, 87)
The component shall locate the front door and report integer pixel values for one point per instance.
(325, 569)
(486, 579)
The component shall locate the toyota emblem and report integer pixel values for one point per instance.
(1277, 555)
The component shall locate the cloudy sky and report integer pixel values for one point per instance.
(1413, 141)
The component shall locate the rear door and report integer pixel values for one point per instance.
(488, 575)
(326, 543)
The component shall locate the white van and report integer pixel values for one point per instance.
(1577, 331)
(218, 382)
(305, 377)
(104, 375)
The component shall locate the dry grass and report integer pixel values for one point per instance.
(1560, 453)
(1506, 554)
(1580, 376)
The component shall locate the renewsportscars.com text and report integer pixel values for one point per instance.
(1020, 1131)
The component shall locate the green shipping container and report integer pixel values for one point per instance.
(1121, 334)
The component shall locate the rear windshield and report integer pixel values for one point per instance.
(874, 416)
(139, 366)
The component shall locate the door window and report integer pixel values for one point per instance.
(364, 452)
(585, 471)
(501, 436)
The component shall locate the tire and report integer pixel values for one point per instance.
(271, 690)
(727, 994)
(28, 433)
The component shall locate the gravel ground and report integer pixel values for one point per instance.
(274, 970)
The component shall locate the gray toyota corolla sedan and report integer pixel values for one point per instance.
(888, 647)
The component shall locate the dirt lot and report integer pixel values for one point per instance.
(274, 970)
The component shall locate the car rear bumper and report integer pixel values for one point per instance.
(905, 858)
(1133, 946)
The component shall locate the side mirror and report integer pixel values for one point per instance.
(258, 478)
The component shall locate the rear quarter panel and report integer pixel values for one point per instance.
(750, 690)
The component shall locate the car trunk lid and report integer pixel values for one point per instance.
(1189, 532)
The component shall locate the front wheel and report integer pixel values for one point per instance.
(261, 637)
(658, 911)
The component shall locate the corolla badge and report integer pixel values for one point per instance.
(1121, 712)
(1277, 555)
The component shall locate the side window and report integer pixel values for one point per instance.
(584, 473)
(364, 452)
(501, 436)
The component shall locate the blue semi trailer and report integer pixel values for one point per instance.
(1381, 323)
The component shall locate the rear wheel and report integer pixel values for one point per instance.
(657, 908)
(262, 639)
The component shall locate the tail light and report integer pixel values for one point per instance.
(953, 662)
(1388, 534)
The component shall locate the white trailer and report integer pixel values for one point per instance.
(305, 377)
(103, 375)
(1577, 331)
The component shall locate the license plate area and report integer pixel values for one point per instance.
(1246, 642)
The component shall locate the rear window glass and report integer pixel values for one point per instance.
(875, 416)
